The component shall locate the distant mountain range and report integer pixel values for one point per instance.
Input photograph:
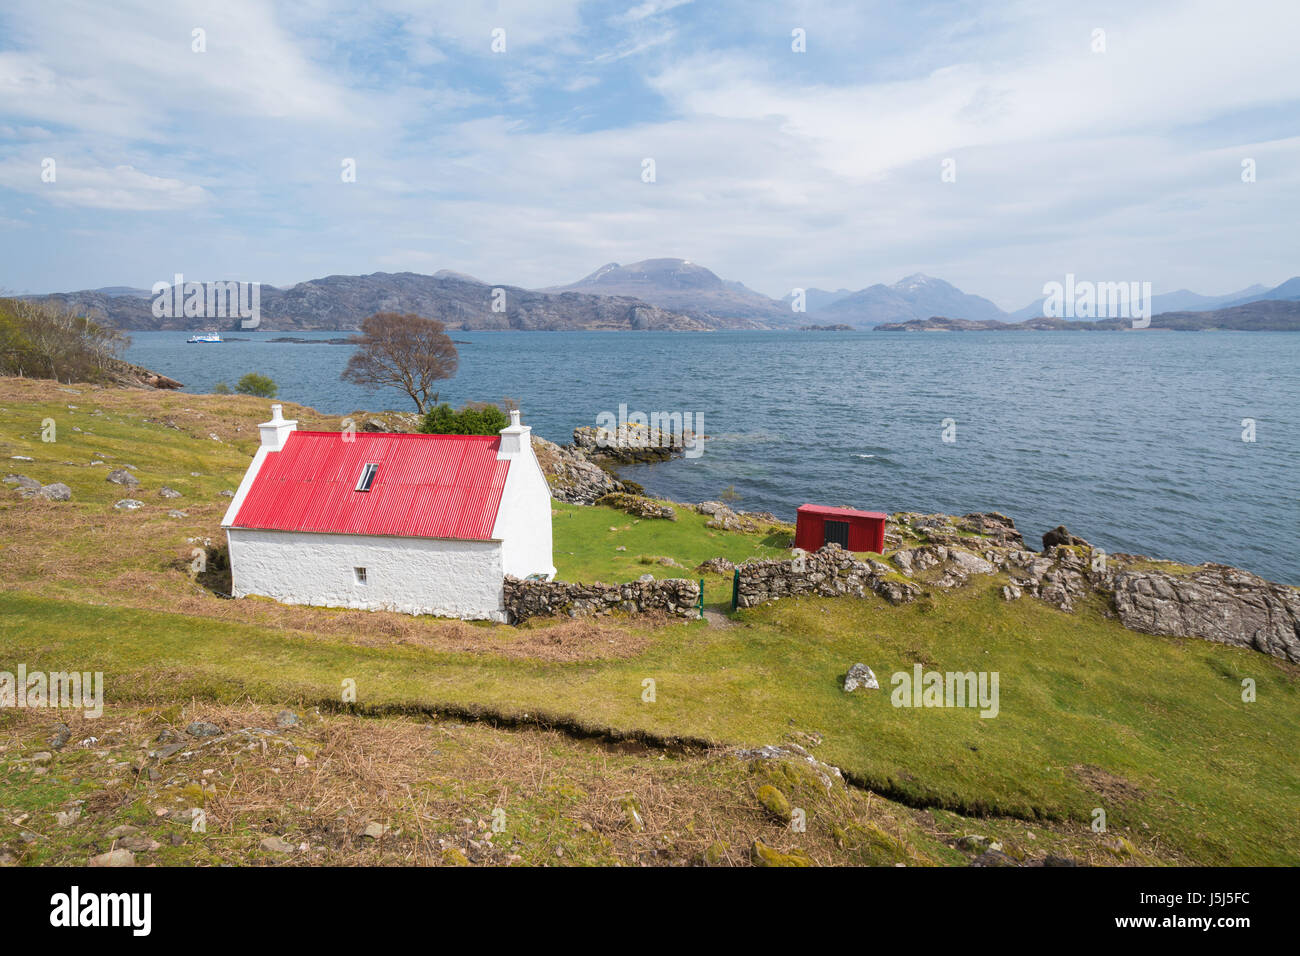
(342, 302)
(1258, 315)
(915, 297)
(659, 294)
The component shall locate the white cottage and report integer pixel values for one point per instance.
(425, 524)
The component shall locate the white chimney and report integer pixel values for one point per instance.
(276, 432)
(515, 438)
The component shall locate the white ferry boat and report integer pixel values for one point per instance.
(204, 337)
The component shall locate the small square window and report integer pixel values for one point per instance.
(360, 574)
(367, 476)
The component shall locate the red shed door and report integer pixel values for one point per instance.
(837, 532)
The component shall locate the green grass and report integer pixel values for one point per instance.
(1151, 729)
(1221, 797)
(586, 541)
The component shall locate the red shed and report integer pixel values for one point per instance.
(817, 525)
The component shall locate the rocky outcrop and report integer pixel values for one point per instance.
(631, 443)
(1060, 535)
(136, 376)
(572, 476)
(385, 422)
(829, 572)
(723, 518)
(1214, 602)
(529, 599)
(997, 527)
(638, 506)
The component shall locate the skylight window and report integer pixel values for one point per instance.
(367, 476)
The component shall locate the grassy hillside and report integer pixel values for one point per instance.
(1152, 730)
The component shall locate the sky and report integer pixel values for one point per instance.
(509, 140)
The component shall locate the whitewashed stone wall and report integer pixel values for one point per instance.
(412, 575)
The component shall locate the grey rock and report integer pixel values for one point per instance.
(969, 563)
(860, 675)
(165, 492)
(59, 737)
(274, 844)
(56, 492)
(129, 504)
(120, 476)
(285, 719)
(993, 858)
(202, 728)
(638, 506)
(1060, 536)
(140, 844)
(1216, 603)
(113, 858)
(22, 481)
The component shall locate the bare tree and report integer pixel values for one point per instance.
(405, 352)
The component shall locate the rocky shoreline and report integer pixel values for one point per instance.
(925, 553)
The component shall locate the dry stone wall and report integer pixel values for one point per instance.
(829, 572)
(528, 599)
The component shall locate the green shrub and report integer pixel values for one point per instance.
(259, 385)
(476, 418)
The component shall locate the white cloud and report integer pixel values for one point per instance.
(118, 188)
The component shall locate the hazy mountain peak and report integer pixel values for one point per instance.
(462, 276)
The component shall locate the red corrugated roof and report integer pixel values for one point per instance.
(427, 486)
(840, 512)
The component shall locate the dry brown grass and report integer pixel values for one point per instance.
(434, 785)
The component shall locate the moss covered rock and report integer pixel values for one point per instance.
(774, 802)
(453, 857)
(631, 807)
(760, 854)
